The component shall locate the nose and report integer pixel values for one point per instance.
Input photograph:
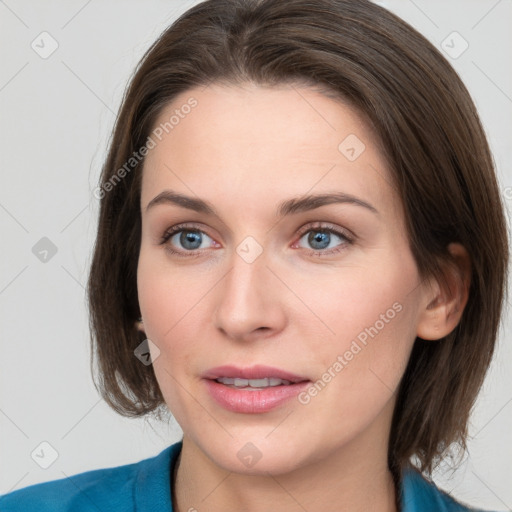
(249, 300)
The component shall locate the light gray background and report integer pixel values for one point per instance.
(56, 116)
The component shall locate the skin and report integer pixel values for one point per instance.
(245, 149)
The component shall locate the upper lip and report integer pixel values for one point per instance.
(252, 372)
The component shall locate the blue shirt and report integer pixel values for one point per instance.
(145, 486)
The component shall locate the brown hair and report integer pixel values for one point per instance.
(432, 139)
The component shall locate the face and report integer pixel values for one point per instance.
(252, 272)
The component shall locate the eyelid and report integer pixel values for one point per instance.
(348, 239)
(327, 226)
(184, 226)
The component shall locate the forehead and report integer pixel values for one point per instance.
(263, 142)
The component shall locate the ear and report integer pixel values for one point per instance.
(445, 301)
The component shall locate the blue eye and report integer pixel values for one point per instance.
(186, 240)
(324, 240)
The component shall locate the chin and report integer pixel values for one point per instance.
(256, 454)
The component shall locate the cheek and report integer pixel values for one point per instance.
(168, 296)
(173, 318)
(174, 303)
(351, 299)
(369, 315)
(359, 368)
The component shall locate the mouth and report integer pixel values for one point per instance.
(256, 389)
(253, 384)
(258, 376)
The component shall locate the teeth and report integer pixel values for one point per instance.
(253, 383)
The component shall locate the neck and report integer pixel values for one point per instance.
(353, 478)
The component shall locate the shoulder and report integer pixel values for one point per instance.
(422, 495)
(119, 488)
(90, 490)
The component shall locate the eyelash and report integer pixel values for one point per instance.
(320, 227)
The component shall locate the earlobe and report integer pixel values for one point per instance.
(139, 324)
(446, 300)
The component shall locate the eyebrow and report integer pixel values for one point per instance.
(288, 207)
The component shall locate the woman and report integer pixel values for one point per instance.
(301, 252)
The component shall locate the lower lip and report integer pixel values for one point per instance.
(253, 402)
